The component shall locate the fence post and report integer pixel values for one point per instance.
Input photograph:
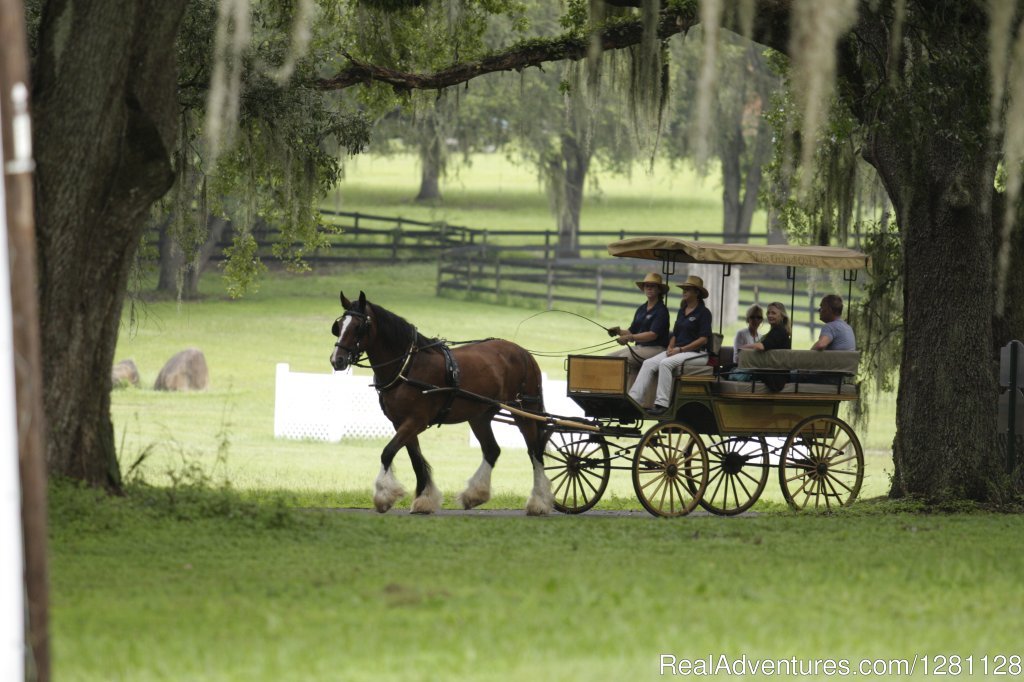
(440, 269)
(396, 237)
(551, 284)
(600, 284)
(497, 275)
(469, 273)
(355, 225)
(547, 245)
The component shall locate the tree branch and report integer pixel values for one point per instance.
(533, 53)
(770, 28)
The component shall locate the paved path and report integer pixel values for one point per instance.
(614, 513)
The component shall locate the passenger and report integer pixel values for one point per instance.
(649, 330)
(749, 335)
(779, 337)
(780, 333)
(689, 340)
(836, 334)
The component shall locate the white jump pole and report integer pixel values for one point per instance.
(12, 568)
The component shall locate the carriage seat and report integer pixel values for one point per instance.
(696, 367)
(842, 362)
(810, 372)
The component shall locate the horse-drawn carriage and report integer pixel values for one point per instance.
(715, 446)
(719, 440)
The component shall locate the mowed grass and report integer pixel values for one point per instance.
(186, 584)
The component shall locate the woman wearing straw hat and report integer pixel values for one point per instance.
(688, 341)
(649, 330)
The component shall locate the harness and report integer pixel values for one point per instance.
(451, 368)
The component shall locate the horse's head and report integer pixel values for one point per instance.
(353, 331)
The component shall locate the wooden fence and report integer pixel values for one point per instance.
(503, 265)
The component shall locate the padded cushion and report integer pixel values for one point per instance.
(813, 360)
(697, 367)
(744, 387)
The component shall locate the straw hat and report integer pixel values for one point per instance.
(695, 282)
(652, 278)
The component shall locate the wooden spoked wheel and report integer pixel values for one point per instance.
(737, 474)
(670, 469)
(579, 467)
(822, 464)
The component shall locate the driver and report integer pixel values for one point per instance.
(689, 340)
(649, 330)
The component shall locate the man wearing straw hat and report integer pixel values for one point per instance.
(688, 342)
(649, 331)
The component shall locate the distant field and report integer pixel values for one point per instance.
(493, 193)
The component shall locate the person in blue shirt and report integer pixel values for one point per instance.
(836, 334)
(688, 342)
(649, 330)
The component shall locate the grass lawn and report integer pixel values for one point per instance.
(186, 584)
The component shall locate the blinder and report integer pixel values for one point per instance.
(355, 352)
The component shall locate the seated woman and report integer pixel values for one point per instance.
(779, 337)
(748, 335)
(649, 330)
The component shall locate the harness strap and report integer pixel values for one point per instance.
(451, 377)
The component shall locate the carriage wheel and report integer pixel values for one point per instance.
(670, 469)
(579, 470)
(822, 464)
(737, 474)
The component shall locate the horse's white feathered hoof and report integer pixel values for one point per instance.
(469, 498)
(478, 488)
(428, 502)
(387, 491)
(537, 506)
(541, 501)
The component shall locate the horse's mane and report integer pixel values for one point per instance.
(393, 326)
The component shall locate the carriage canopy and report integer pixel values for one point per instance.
(689, 251)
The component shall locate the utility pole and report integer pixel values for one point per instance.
(20, 288)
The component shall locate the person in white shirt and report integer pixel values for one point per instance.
(748, 335)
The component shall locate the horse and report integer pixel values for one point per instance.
(420, 382)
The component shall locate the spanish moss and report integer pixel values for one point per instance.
(817, 28)
(711, 22)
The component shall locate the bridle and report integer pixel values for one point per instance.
(354, 353)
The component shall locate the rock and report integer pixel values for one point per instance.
(186, 371)
(124, 374)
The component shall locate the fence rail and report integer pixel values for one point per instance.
(524, 264)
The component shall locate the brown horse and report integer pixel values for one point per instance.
(408, 370)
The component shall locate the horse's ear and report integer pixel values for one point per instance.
(345, 303)
(362, 302)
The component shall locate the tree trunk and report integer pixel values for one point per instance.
(105, 122)
(431, 165)
(172, 261)
(945, 446)
(575, 164)
(732, 178)
(752, 183)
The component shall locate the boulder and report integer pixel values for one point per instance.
(124, 374)
(186, 371)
